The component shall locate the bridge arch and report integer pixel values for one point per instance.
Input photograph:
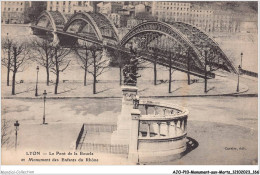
(95, 23)
(50, 20)
(197, 37)
(188, 37)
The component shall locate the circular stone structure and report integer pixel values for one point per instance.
(162, 132)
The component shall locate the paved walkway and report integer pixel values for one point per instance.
(221, 85)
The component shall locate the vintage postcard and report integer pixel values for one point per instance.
(129, 83)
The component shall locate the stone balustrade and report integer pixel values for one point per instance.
(162, 121)
(162, 130)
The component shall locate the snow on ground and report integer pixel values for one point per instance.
(214, 123)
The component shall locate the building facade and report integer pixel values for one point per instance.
(207, 18)
(69, 7)
(110, 7)
(171, 11)
(14, 12)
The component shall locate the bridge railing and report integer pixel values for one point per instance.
(249, 73)
(179, 64)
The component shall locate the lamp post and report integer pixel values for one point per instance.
(16, 124)
(44, 99)
(36, 89)
(241, 59)
(239, 68)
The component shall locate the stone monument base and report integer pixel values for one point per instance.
(123, 132)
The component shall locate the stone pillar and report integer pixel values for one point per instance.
(133, 146)
(123, 132)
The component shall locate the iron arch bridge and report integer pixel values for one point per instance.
(92, 27)
(179, 45)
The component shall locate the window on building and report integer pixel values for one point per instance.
(4, 9)
(50, 8)
(75, 11)
(8, 9)
(21, 3)
(16, 9)
(51, 2)
(79, 3)
(69, 2)
(63, 10)
(64, 2)
(57, 2)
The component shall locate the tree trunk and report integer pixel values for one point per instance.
(14, 72)
(170, 76)
(8, 67)
(13, 83)
(94, 84)
(85, 77)
(94, 75)
(188, 69)
(120, 75)
(155, 71)
(47, 70)
(57, 81)
(57, 72)
(48, 76)
(86, 68)
(205, 69)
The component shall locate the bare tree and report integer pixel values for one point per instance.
(19, 57)
(97, 64)
(6, 59)
(60, 63)
(171, 57)
(43, 55)
(83, 57)
(119, 58)
(5, 133)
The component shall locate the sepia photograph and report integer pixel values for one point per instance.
(129, 83)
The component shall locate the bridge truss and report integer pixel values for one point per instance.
(177, 45)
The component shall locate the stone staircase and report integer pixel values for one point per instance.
(97, 138)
